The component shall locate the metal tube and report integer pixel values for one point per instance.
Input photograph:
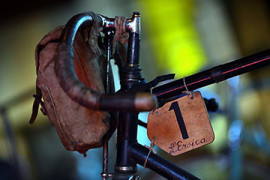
(213, 75)
(126, 135)
(158, 164)
(104, 173)
(133, 49)
(108, 41)
(73, 26)
(134, 26)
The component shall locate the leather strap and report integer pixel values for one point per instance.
(36, 103)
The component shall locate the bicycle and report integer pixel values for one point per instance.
(129, 152)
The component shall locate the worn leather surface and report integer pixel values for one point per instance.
(79, 128)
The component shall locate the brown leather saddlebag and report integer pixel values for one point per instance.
(79, 128)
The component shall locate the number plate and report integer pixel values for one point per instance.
(181, 125)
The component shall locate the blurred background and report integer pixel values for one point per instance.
(181, 37)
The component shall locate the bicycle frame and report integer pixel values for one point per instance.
(129, 152)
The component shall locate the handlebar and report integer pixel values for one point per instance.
(76, 90)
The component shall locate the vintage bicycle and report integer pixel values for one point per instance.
(136, 96)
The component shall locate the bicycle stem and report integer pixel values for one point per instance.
(213, 75)
(129, 152)
(132, 25)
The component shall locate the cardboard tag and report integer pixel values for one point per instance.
(181, 125)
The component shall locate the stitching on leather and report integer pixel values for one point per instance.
(58, 119)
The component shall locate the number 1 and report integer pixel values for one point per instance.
(180, 120)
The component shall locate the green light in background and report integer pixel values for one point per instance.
(173, 35)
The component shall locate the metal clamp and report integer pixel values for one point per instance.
(132, 24)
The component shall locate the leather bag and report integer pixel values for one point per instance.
(79, 128)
